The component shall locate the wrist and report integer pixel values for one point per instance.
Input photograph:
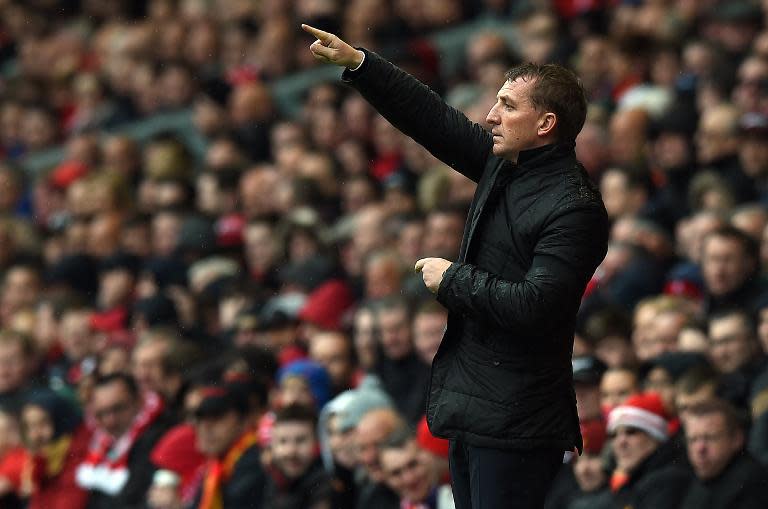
(357, 60)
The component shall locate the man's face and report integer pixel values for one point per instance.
(369, 435)
(147, 366)
(260, 249)
(395, 333)
(13, 366)
(332, 350)
(442, 235)
(631, 446)
(115, 287)
(114, 407)
(710, 446)
(38, 427)
(293, 447)
(615, 387)
(428, 331)
(341, 443)
(589, 472)
(216, 434)
(514, 121)
(76, 335)
(406, 472)
(724, 265)
(730, 343)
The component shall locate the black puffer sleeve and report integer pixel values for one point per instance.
(566, 255)
(421, 114)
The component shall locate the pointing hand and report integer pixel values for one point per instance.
(328, 48)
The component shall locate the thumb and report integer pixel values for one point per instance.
(420, 264)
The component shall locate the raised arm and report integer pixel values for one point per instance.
(408, 104)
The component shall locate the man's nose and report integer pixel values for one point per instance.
(492, 117)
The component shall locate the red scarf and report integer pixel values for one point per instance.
(106, 466)
(220, 470)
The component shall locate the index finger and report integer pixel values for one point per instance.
(320, 34)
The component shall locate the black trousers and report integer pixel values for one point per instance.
(497, 478)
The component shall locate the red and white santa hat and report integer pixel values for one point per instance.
(644, 412)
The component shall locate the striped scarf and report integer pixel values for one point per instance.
(106, 466)
(219, 470)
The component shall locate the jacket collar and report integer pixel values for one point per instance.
(545, 157)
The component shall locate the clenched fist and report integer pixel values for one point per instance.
(330, 49)
(432, 270)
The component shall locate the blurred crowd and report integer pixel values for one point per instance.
(245, 329)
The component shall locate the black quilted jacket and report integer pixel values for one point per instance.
(502, 376)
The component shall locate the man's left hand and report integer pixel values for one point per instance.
(432, 270)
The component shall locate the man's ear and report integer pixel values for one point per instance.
(547, 123)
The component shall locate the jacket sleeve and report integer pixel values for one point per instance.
(569, 250)
(421, 114)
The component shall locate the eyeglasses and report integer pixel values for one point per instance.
(117, 408)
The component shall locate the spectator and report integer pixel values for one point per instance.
(57, 442)
(333, 350)
(429, 322)
(117, 470)
(297, 477)
(616, 385)
(589, 470)
(587, 374)
(726, 475)
(157, 365)
(407, 471)
(16, 364)
(233, 476)
(11, 458)
(735, 353)
(645, 473)
(338, 421)
(371, 432)
(402, 373)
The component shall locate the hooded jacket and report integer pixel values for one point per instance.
(535, 232)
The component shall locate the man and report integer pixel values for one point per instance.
(333, 350)
(407, 471)
(588, 372)
(735, 353)
(645, 475)
(371, 431)
(298, 480)
(616, 386)
(726, 475)
(158, 362)
(117, 470)
(729, 265)
(17, 355)
(503, 356)
(403, 375)
(428, 328)
(234, 476)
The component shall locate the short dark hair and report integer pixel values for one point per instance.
(746, 319)
(748, 244)
(696, 379)
(297, 413)
(734, 420)
(123, 378)
(558, 90)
